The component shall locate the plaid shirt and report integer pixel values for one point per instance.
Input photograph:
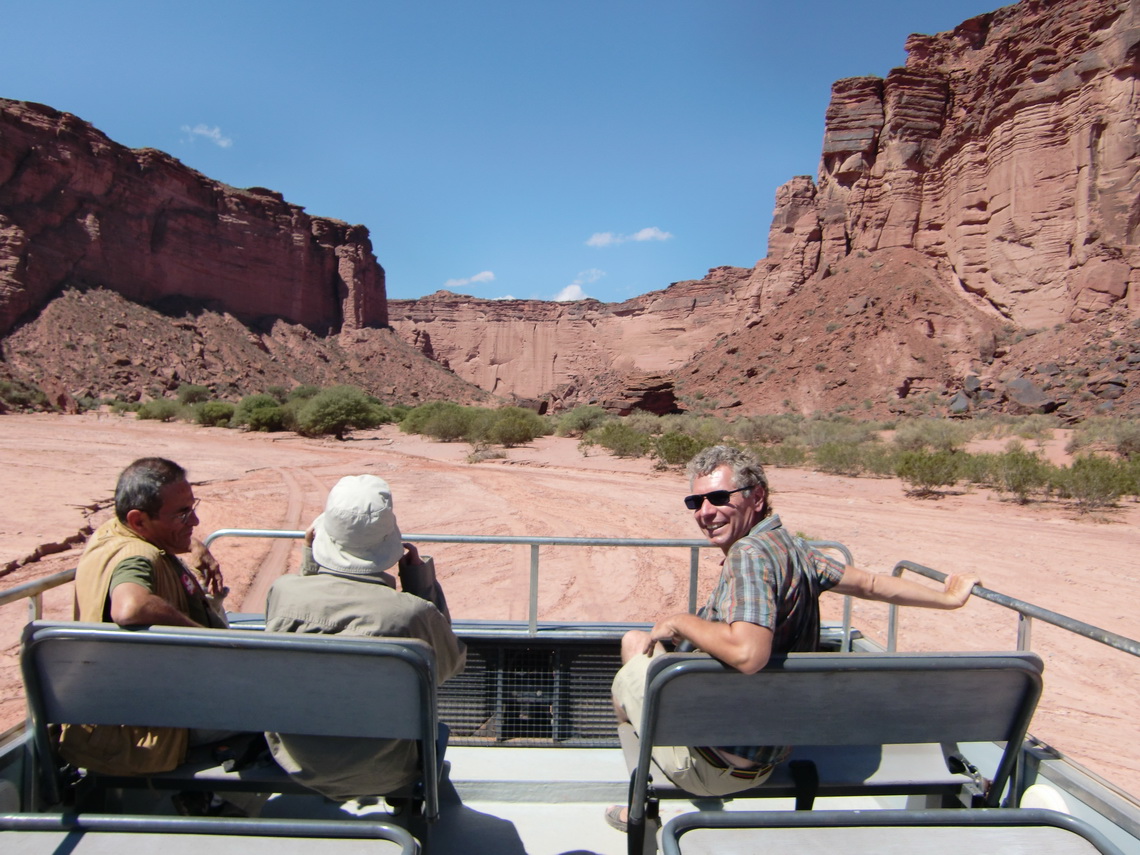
(773, 579)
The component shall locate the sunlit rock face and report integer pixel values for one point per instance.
(526, 348)
(77, 209)
(1006, 151)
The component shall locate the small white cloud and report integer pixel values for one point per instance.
(478, 278)
(505, 297)
(651, 233)
(213, 134)
(574, 290)
(609, 238)
(570, 293)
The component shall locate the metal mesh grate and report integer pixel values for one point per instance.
(532, 694)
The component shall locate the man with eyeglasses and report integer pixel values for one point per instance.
(130, 573)
(766, 601)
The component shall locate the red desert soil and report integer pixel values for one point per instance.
(58, 468)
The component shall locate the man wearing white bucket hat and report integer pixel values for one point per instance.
(345, 587)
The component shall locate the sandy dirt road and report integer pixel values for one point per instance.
(60, 472)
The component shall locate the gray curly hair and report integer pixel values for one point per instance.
(746, 469)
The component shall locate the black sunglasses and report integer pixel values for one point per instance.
(716, 497)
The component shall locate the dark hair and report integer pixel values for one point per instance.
(745, 466)
(140, 485)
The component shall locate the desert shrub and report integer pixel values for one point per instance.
(278, 392)
(619, 438)
(481, 453)
(675, 449)
(213, 413)
(416, 419)
(784, 454)
(645, 422)
(978, 469)
(933, 434)
(839, 458)
(120, 407)
(259, 412)
(879, 459)
(769, 429)
(817, 432)
(580, 420)
(1019, 472)
(303, 392)
(927, 471)
(1093, 482)
(450, 423)
(512, 426)
(190, 393)
(1121, 436)
(707, 430)
(338, 410)
(160, 410)
(19, 395)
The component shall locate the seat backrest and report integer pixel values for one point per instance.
(230, 679)
(841, 699)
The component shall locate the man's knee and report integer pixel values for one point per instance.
(633, 643)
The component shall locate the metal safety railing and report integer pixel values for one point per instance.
(1026, 612)
(34, 590)
(694, 547)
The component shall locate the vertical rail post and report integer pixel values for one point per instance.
(1024, 631)
(694, 560)
(892, 628)
(35, 607)
(532, 628)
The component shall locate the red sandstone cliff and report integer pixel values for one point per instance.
(1006, 152)
(77, 209)
(529, 348)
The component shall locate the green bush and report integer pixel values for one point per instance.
(160, 410)
(619, 438)
(214, 413)
(1094, 482)
(259, 413)
(188, 393)
(1019, 472)
(580, 420)
(933, 434)
(415, 419)
(784, 454)
(453, 423)
(676, 449)
(338, 410)
(770, 429)
(927, 471)
(18, 395)
(512, 426)
(839, 458)
(303, 392)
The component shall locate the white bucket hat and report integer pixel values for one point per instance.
(357, 534)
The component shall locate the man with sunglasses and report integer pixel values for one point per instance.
(130, 573)
(766, 602)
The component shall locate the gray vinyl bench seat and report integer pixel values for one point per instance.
(92, 834)
(227, 680)
(859, 723)
(881, 832)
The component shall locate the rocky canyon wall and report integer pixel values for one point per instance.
(1006, 151)
(527, 348)
(77, 209)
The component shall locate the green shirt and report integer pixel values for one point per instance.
(138, 570)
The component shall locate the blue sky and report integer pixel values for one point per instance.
(540, 150)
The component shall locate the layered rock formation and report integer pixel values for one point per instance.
(527, 349)
(1006, 151)
(77, 209)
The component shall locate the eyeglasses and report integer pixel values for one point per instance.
(716, 497)
(183, 517)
